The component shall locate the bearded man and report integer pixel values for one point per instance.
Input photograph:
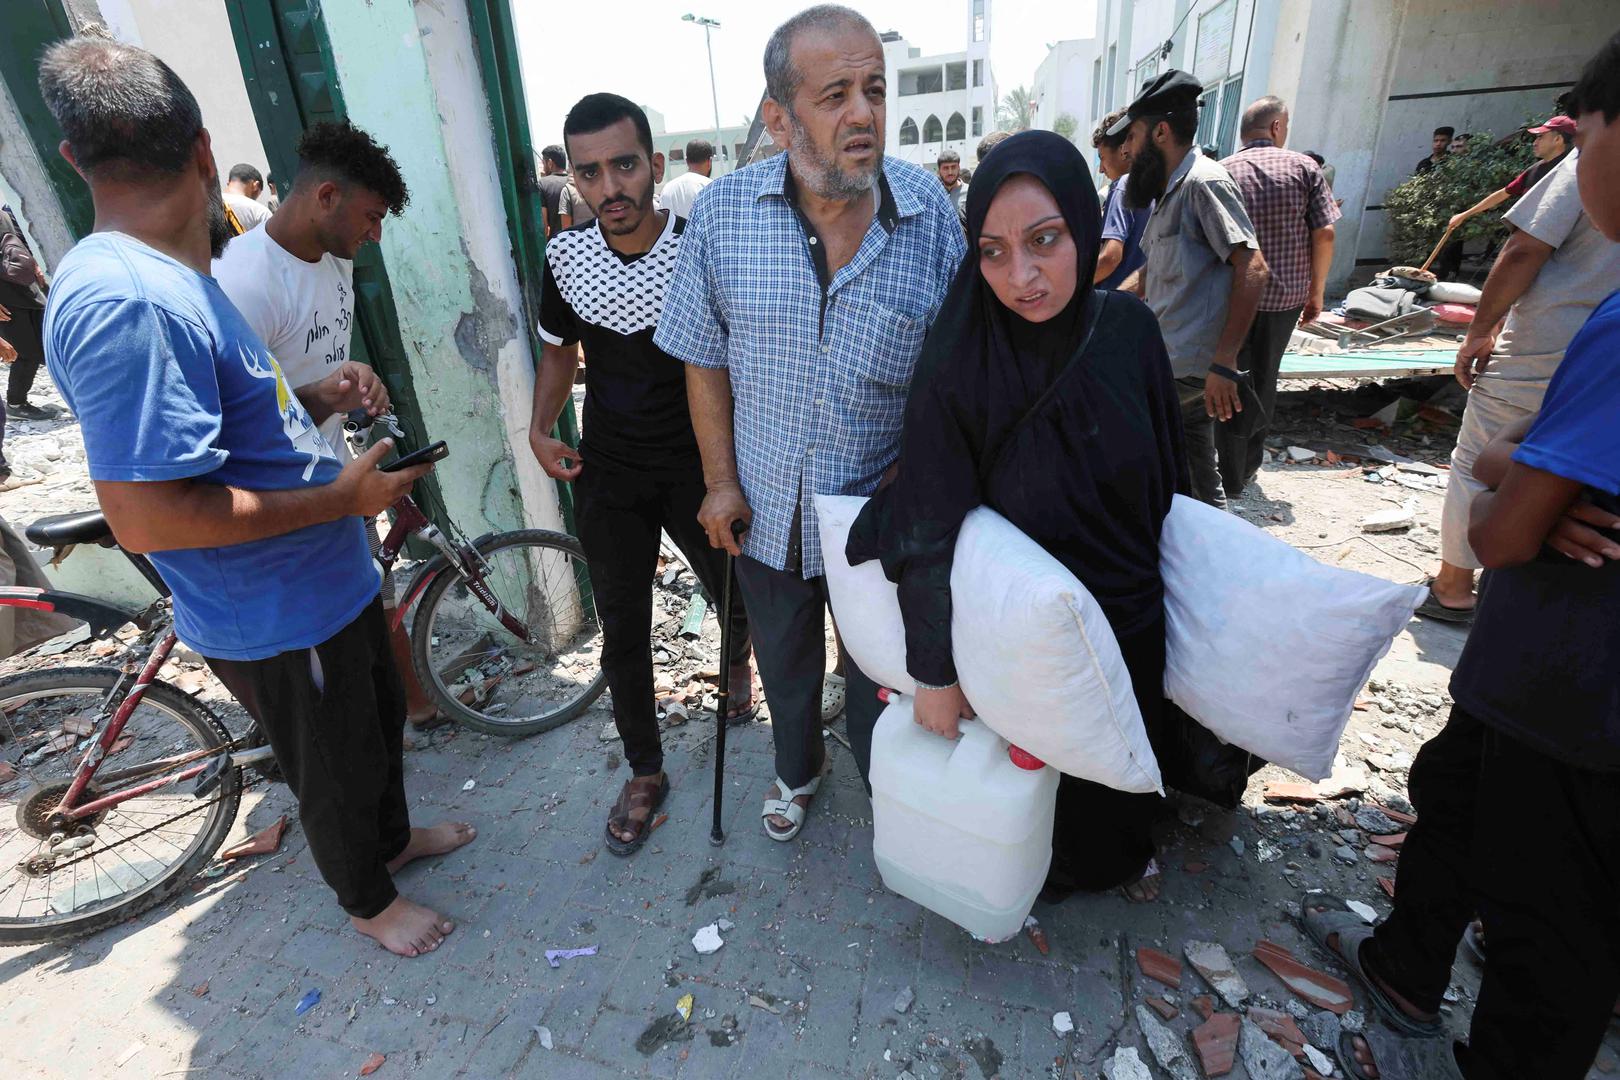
(802, 293)
(1204, 273)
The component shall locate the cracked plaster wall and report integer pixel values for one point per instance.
(410, 76)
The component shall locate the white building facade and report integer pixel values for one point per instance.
(1365, 83)
(1062, 87)
(940, 102)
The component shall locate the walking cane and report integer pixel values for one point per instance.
(717, 835)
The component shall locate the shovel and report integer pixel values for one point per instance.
(717, 835)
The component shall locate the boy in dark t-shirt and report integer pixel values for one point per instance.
(1518, 797)
(637, 470)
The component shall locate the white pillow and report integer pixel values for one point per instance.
(1266, 647)
(1034, 652)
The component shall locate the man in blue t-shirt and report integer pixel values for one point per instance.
(204, 458)
(1121, 251)
(1518, 797)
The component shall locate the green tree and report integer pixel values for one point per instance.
(1016, 111)
(1420, 207)
(1066, 125)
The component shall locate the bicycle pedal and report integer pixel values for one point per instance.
(209, 778)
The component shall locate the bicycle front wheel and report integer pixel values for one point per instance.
(485, 676)
(112, 865)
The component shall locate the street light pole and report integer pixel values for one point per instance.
(710, 24)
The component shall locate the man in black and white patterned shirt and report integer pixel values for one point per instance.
(637, 468)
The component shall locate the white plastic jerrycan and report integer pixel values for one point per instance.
(958, 827)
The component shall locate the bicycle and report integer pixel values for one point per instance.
(95, 761)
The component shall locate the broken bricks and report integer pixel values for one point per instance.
(1159, 966)
(263, 842)
(1314, 986)
(1216, 1041)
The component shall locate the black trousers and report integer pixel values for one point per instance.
(788, 613)
(25, 332)
(1532, 845)
(619, 513)
(1240, 443)
(1102, 837)
(335, 716)
(1198, 429)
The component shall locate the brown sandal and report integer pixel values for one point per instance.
(634, 808)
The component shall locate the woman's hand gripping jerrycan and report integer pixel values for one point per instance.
(957, 826)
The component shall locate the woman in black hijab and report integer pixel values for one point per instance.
(1053, 404)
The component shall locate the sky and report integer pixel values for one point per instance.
(642, 49)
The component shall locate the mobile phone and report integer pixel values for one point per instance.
(432, 452)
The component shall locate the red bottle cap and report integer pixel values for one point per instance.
(885, 694)
(1024, 759)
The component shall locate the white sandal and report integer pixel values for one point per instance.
(832, 697)
(787, 808)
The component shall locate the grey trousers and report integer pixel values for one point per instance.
(787, 615)
(1198, 429)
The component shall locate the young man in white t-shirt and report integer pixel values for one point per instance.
(242, 190)
(680, 193)
(293, 280)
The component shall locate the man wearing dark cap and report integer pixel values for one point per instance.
(1204, 274)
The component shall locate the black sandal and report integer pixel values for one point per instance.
(1432, 608)
(633, 797)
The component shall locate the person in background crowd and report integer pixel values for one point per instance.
(1438, 145)
(1081, 452)
(989, 143)
(205, 459)
(1204, 274)
(1328, 171)
(273, 186)
(680, 193)
(22, 316)
(1555, 267)
(1536, 724)
(1448, 266)
(1554, 140)
(804, 287)
(553, 180)
(637, 470)
(1291, 206)
(950, 174)
(967, 176)
(572, 209)
(293, 280)
(242, 189)
(1122, 226)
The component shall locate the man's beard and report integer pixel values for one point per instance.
(219, 226)
(638, 209)
(821, 172)
(1148, 174)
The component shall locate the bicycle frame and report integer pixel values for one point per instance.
(464, 560)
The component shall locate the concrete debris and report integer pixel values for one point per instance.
(1212, 962)
(1392, 519)
(1376, 821)
(1353, 1022)
(904, 999)
(1321, 1028)
(707, 940)
(1264, 1059)
(1368, 915)
(1266, 851)
(1319, 1061)
(1166, 1046)
(1345, 854)
(1126, 1064)
(1299, 455)
(1237, 846)
(1062, 1023)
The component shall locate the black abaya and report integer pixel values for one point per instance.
(1071, 430)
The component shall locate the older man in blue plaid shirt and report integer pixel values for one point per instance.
(803, 291)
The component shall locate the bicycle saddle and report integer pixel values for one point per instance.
(60, 530)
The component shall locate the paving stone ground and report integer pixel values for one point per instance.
(206, 985)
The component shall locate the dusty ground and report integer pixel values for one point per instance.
(820, 958)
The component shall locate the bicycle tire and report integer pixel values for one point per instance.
(422, 642)
(210, 733)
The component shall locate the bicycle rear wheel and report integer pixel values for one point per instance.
(485, 676)
(118, 863)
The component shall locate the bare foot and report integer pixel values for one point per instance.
(437, 840)
(406, 929)
(742, 700)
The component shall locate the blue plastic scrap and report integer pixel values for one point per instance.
(307, 1002)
